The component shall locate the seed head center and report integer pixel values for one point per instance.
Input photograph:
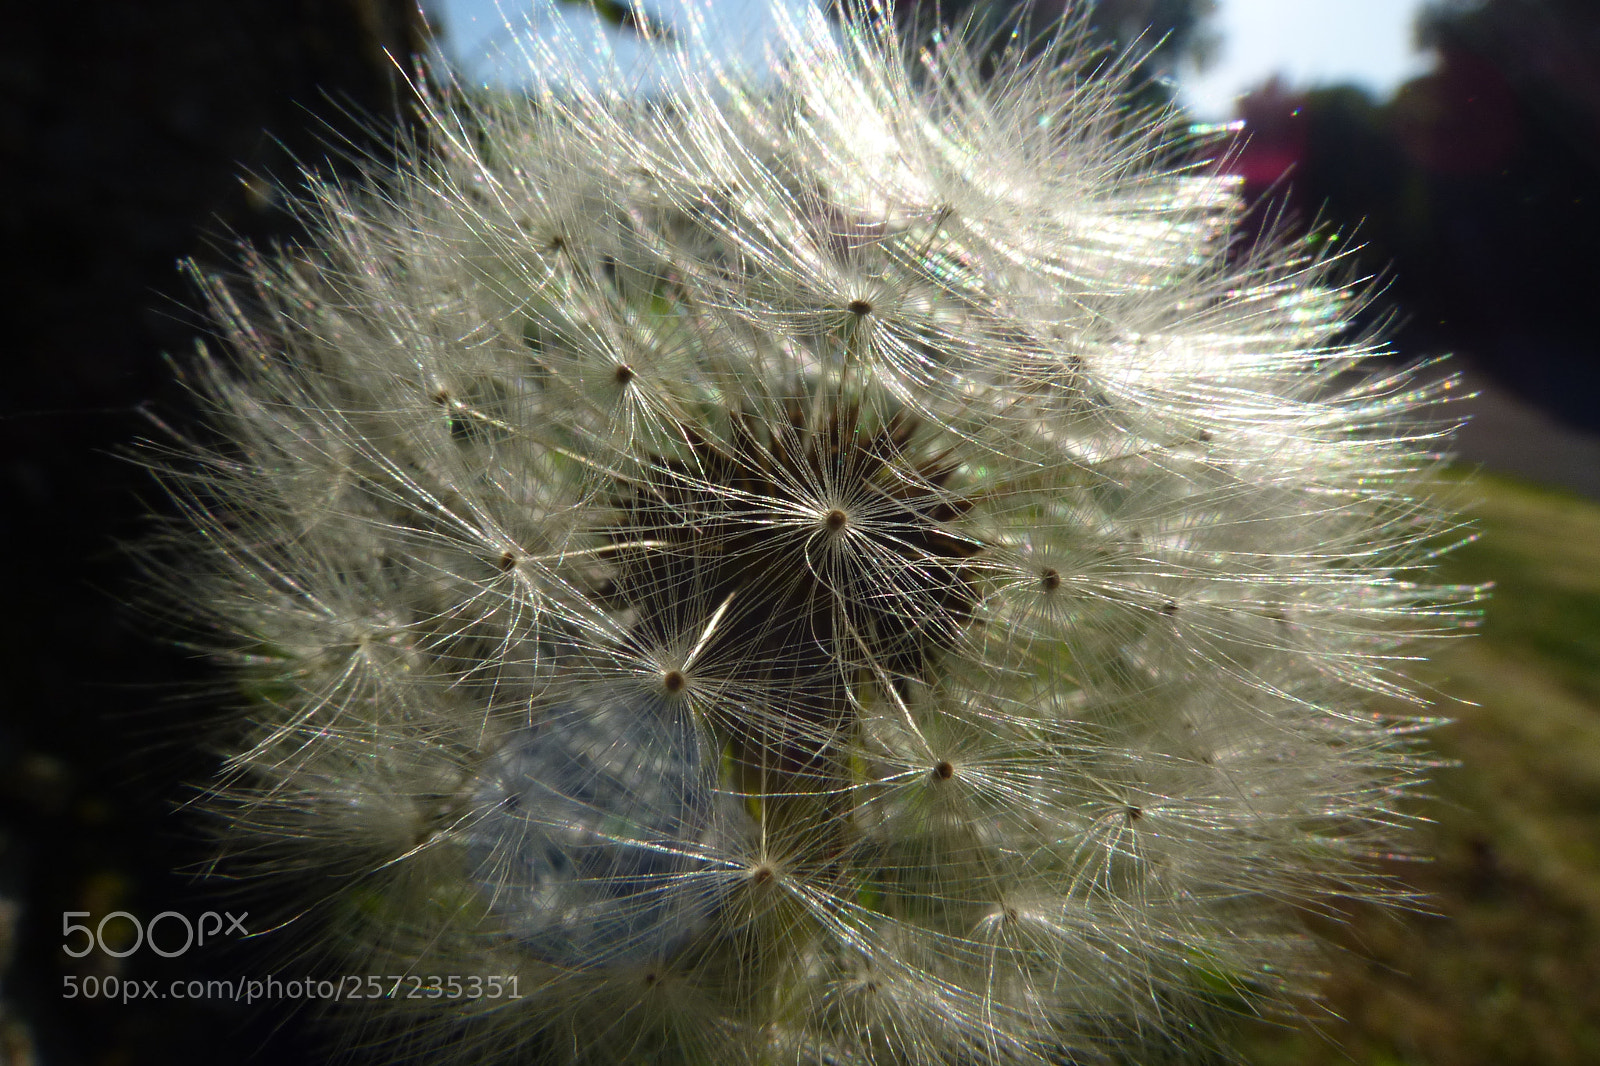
(835, 519)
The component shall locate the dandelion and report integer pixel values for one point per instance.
(849, 569)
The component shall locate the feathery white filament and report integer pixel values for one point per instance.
(848, 570)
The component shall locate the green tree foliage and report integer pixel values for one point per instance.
(1165, 31)
(1477, 186)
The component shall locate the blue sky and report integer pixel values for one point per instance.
(483, 36)
(1308, 41)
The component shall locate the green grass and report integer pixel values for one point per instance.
(1507, 969)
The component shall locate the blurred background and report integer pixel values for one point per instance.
(1453, 144)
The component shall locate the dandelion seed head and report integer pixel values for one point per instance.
(851, 567)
